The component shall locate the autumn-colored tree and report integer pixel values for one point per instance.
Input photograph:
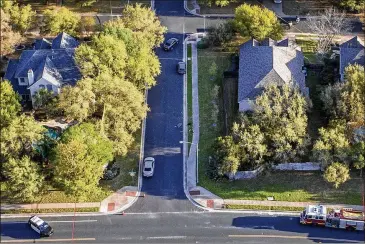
(257, 22)
(59, 20)
(144, 20)
(9, 38)
(21, 17)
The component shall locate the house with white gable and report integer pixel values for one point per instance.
(49, 65)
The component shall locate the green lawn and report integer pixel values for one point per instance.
(309, 49)
(303, 7)
(289, 186)
(49, 210)
(208, 132)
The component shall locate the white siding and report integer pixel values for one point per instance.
(35, 87)
(245, 105)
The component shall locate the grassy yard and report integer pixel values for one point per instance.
(208, 132)
(309, 49)
(50, 210)
(101, 6)
(289, 186)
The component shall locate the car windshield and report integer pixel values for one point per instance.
(168, 42)
(147, 169)
(45, 227)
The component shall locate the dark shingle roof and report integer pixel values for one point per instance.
(351, 52)
(64, 40)
(55, 65)
(268, 63)
(9, 75)
(42, 44)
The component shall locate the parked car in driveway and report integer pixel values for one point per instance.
(148, 167)
(170, 43)
(181, 68)
(40, 226)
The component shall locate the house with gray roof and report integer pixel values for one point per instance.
(50, 65)
(268, 62)
(351, 52)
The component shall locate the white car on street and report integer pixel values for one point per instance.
(148, 167)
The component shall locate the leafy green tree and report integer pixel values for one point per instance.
(24, 180)
(144, 20)
(105, 54)
(353, 94)
(78, 160)
(352, 4)
(330, 97)
(21, 18)
(226, 155)
(332, 144)
(220, 3)
(358, 155)
(60, 20)
(87, 24)
(257, 22)
(9, 38)
(142, 64)
(78, 102)
(251, 143)
(9, 104)
(17, 139)
(281, 114)
(84, 3)
(122, 108)
(337, 173)
(46, 101)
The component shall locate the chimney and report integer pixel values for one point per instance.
(30, 77)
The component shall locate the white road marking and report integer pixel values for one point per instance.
(165, 237)
(71, 221)
(47, 240)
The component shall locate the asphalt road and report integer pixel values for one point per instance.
(199, 227)
(164, 192)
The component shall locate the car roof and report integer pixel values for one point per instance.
(172, 39)
(181, 64)
(148, 164)
(36, 220)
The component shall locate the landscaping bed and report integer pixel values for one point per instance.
(206, 10)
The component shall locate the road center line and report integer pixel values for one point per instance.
(47, 240)
(165, 237)
(293, 237)
(71, 221)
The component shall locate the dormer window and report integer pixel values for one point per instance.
(23, 81)
(42, 87)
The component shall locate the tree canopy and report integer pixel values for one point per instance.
(24, 180)
(17, 139)
(9, 37)
(21, 17)
(105, 54)
(78, 160)
(332, 144)
(337, 173)
(281, 114)
(144, 20)
(220, 3)
(257, 22)
(9, 104)
(60, 20)
(142, 64)
(353, 94)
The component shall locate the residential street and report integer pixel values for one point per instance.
(185, 227)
